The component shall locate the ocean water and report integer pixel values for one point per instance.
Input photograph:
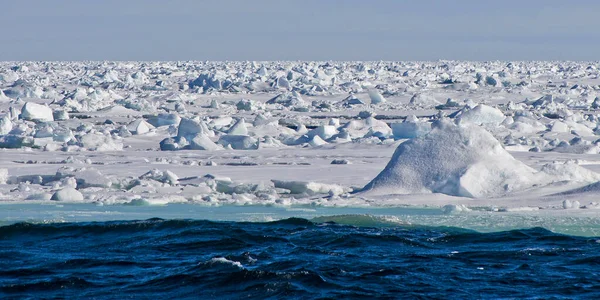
(350, 256)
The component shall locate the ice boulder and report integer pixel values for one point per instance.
(367, 127)
(350, 101)
(323, 131)
(139, 127)
(249, 105)
(288, 99)
(239, 128)
(3, 97)
(5, 125)
(316, 141)
(189, 128)
(239, 142)
(410, 128)
(60, 115)
(458, 160)
(164, 120)
(376, 97)
(262, 119)
(571, 204)
(420, 99)
(310, 188)
(99, 142)
(482, 115)
(455, 208)
(67, 194)
(3, 176)
(559, 127)
(36, 112)
(568, 171)
(161, 176)
(203, 142)
(85, 177)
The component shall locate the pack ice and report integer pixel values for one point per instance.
(494, 134)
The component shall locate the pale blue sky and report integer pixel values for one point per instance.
(299, 30)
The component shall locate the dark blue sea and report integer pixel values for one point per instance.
(293, 259)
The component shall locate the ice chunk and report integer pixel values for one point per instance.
(239, 128)
(36, 112)
(309, 188)
(569, 171)
(324, 132)
(288, 100)
(189, 128)
(410, 128)
(6, 125)
(203, 142)
(350, 101)
(3, 176)
(3, 97)
(85, 177)
(316, 141)
(571, 204)
(558, 126)
(139, 126)
(249, 105)
(60, 115)
(455, 208)
(423, 100)
(262, 119)
(376, 97)
(482, 115)
(164, 120)
(239, 142)
(161, 176)
(67, 194)
(99, 142)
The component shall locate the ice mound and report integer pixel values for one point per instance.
(67, 194)
(458, 160)
(482, 115)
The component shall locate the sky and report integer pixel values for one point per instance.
(395, 30)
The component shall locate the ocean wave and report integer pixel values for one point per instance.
(343, 256)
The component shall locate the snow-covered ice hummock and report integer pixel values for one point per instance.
(466, 161)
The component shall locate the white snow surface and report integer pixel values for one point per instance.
(505, 136)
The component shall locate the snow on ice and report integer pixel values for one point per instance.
(451, 134)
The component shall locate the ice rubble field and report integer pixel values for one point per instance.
(460, 136)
